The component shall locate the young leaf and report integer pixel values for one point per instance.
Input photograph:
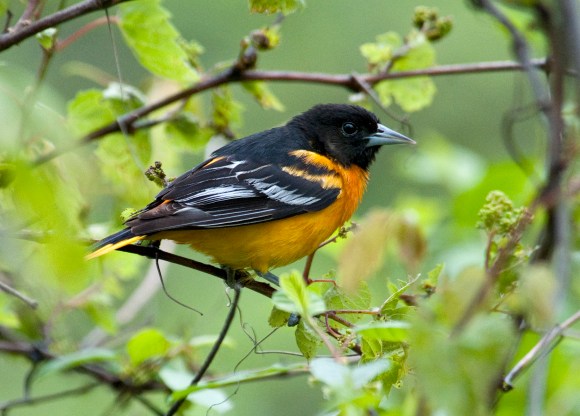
(335, 298)
(275, 6)
(278, 318)
(294, 297)
(155, 42)
(307, 340)
(389, 331)
(147, 344)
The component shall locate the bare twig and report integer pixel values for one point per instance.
(29, 401)
(544, 346)
(11, 291)
(214, 349)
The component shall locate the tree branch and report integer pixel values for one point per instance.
(128, 123)
(25, 29)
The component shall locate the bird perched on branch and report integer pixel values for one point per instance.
(271, 198)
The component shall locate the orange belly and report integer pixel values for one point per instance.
(275, 243)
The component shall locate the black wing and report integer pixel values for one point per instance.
(225, 192)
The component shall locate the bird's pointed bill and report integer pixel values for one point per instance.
(385, 135)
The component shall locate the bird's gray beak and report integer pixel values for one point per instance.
(385, 135)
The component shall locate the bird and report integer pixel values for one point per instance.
(268, 199)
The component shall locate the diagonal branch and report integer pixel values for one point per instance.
(23, 31)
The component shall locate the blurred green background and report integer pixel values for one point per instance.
(463, 123)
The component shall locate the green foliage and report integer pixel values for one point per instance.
(405, 332)
(147, 344)
(350, 390)
(156, 43)
(47, 37)
(295, 297)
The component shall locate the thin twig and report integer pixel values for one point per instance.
(29, 401)
(544, 346)
(11, 291)
(129, 122)
(215, 348)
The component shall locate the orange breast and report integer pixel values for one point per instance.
(276, 243)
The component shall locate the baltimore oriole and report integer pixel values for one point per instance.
(271, 198)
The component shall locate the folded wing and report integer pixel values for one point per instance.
(225, 192)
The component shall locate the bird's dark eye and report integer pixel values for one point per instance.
(349, 129)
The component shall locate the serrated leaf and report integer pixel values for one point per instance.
(76, 359)
(335, 298)
(278, 318)
(307, 340)
(363, 253)
(275, 6)
(147, 344)
(372, 348)
(396, 293)
(294, 297)
(147, 30)
(390, 331)
(382, 51)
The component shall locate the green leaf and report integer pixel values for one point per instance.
(46, 38)
(382, 51)
(76, 359)
(390, 331)
(186, 130)
(411, 94)
(147, 344)
(278, 318)
(335, 298)
(294, 297)
(393, 299)
(275, 6)
(307, 340)
(156, 43)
